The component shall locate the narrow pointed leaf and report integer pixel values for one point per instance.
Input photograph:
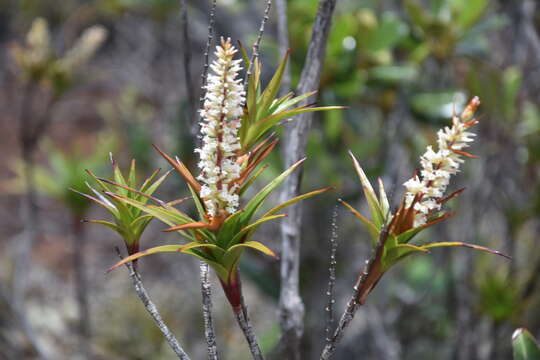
(293, 101)
(154, 250)
(98, 201)
(462, 244)
(105, 223)
(272, 89)
(132, 180)
(251, 180)
(257, 246)
(399, 252)
(383, 200)
(254, 204)
(371, 228)
(152, 188)
(373, 203)
(190, 226)
(182, 169)
(149, 180)
(295, 200)
(252, 227)
(408, 235)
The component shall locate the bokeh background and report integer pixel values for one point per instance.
(401, 67)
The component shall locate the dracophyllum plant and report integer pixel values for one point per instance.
(128, 221)
(393, 233)
(235, 124)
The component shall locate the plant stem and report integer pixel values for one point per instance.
(330, 292)
(244, 322)
(344, 322)
(153, 311)
(233, 292)
(209, 333)
(255, 53)
(204, 75)
(367, 280)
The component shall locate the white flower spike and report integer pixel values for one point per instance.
(223, 107)
(437, 166)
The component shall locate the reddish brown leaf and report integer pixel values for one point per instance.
(182, 169)
(194, 225)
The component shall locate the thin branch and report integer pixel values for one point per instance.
(330, 292)
(367, 279)
(153, 311)
(291, 307)
(255, 53)
(204, 74)
(245, 324)
(191, 102)
(209, 333)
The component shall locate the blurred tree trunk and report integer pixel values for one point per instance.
(291, 307)
(81, 288)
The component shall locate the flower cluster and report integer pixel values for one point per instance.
(223, 106)
(426, 191)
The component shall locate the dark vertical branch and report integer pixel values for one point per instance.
(283, 42)
(245, 324)
(204, 74)
(153, 311)
(291, 307)
(255, 53)
(190, 93)
(81, 288)
(209, 332)
(330, 292)
(233, 292)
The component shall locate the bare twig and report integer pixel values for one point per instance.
(245, 324)
(209, 333)
(366, 281)
(191, 102)
(204, 74)
(330, 292)
(255, 53)
(153, 311)
(291, 307)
